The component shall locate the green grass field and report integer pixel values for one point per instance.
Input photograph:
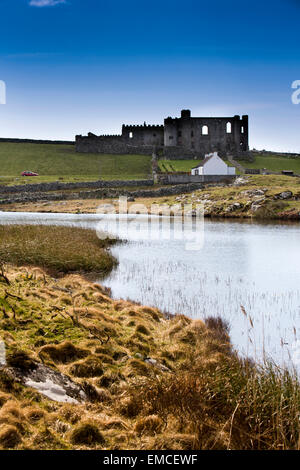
(61, 162)
(274, 162)
(271, 162)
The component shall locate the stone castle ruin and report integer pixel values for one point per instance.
(178, 138)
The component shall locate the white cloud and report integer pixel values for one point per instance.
(45, 3)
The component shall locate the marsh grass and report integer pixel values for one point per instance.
(210, 400)
(58, 249)
(232, 406)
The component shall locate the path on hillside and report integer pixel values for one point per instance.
(236, 164)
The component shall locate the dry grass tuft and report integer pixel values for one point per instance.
(4, 397)
(71, 413)
(152, 312)
(90, 367)
(11, 414)
(9, 436)
(86, 433)
(149, 425)
(142, 329)
(63, 353)
(138, 367)
(20, 359)
(34, 414)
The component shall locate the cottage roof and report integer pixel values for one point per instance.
(206, 159)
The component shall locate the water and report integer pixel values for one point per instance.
(246, 264)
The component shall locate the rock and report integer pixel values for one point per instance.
(240, 181)
(255, 206)
(233, 207)
(138, 356)
(254, 192)
(284, 195)
(259, 200)
(51, 383)
(158, 365)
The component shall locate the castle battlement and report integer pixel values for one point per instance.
(143, 126)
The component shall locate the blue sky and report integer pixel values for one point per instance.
(89, 65)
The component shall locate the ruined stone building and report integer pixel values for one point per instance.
(184, 137)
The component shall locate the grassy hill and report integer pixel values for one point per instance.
(274, 162)
(54, 162)
(270, 161)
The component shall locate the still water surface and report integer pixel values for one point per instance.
(253, 265)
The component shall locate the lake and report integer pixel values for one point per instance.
(230, 267)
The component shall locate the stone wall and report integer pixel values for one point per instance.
(58, 186)
(115, 145)
(144, 135)
(180, 153)
(187, 179)
(104, 193)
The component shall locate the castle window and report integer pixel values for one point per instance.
(193, 145)
(154, 135)
(192, 134)
(205, 130)
(242, 130)
(228, 128)
(130, 135)
(179, 133)
(170, 137)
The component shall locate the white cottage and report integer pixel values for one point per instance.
(213, 165)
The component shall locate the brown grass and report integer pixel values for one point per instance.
(78, 249)
(149, 425)
(91, 367)
(86, 434)
(9, 436)
(209, 398)
(63, 353)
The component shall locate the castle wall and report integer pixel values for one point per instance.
(116, 145)
(144, 135)
(206, 135)
(184, 137)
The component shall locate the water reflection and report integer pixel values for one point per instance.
(239, 264)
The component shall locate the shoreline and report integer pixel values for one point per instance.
(270, 197)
